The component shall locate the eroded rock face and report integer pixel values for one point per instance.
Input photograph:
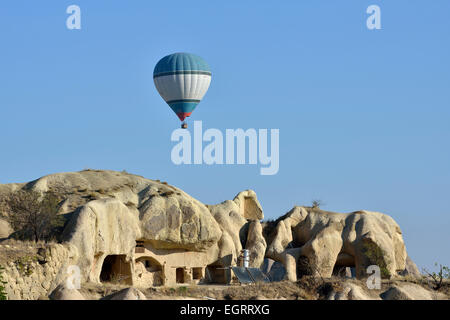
(108, 227)
(256, 244)
(232, 223)
(176, 220)
(165, 215)
(32, 272)
(330, 240)
(249, 206)
(100, 228)
(239, 223)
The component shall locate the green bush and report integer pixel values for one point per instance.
(376, 256)
(24, 265)
(183, 290)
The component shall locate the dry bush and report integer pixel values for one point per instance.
(316, 204)
(439, 277)
(304, 267)
(33, 216)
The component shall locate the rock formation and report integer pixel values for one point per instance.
(256, 244)
(31, 273)
(332, 240)
(239, 223)
(147, 232)
(352, 291)
(100, 228)
(63, 292)
(126, 294)
(410, 291)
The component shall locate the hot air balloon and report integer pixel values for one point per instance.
(182, 80)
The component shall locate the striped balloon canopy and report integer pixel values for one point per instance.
(182, 80)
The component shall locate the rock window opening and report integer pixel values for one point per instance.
(345, 266)
(197, 273)
(140, 247)
(180, 275)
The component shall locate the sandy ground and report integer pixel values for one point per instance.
(305, 289)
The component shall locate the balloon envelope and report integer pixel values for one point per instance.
(182, 80)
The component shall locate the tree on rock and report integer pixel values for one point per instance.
(33, 216)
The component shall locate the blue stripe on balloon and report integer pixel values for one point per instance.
(182, 106)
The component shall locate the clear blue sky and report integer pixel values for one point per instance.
(363, 115)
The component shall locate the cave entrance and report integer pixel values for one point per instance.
(345, 266)
(116, 269)
(180, 278)
(197, 273)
